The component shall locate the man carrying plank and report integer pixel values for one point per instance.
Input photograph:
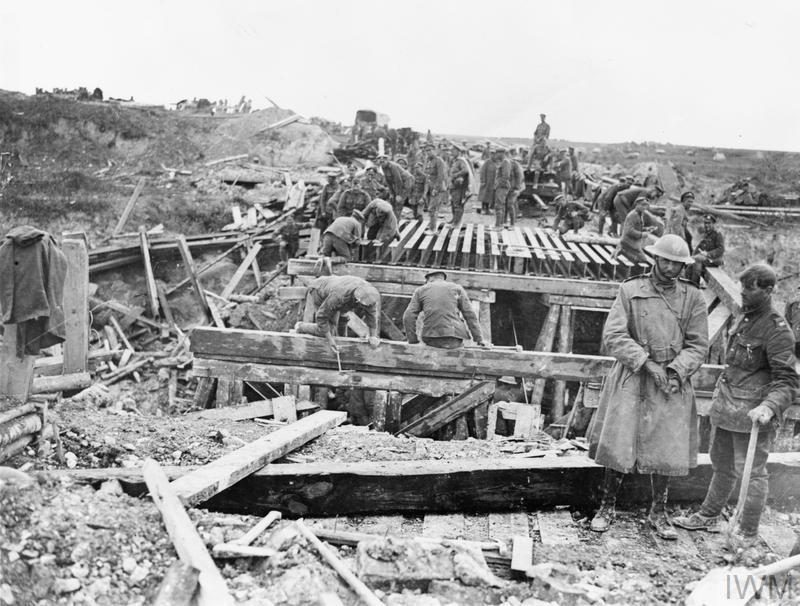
(445, 306)
(758, 384)
(646, 422)
(330, 296)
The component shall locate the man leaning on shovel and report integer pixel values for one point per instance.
(758, 384)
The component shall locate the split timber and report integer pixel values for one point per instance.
(416, 487)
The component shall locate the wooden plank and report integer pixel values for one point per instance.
(16, 374)
(717, 322)
(396, 247)
(386, 289)
(396, 487)
(480, 248)
(466, 247)
(76, 305)
(187, 542)
(247, 348)
(241, 271)
(164, 303)
(527, 420)
(204, 393)
(218, 475)
(557, 528)
(426, 248)
(298, 375)
(188, 264)
(450, 410)
(448, 526)
(533, 243)
(149, 278)
(252, 410)
(467, 279)
(452, 246)
(544, 342)
(495, 262)
(503, 527)
(599, 304)
(728, 291)
(126, 213)
(438, 246)
(521, 554)
(409, 248)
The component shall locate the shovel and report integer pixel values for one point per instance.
(736, 586)
(748, 468)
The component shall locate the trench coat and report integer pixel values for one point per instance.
(638, 427)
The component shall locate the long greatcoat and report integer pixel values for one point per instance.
(637, 426)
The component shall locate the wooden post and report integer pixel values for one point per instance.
(149, 278)
(485, 320)
(188, 263)
(129, 207)
(564, 346)
(545, 343)
(76, 306)
(16, 374)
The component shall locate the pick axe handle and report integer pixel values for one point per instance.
(748, 468)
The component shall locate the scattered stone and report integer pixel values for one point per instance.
(111, 487)
(6, 595)
(66, 585)
(139, 574)
(71, 459)
(129, 564)
(79, 570)
(13, 476)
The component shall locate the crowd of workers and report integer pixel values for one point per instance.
(657, 328)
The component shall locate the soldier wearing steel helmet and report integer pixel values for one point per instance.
(646, 421)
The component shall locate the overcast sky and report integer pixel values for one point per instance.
(694, 72)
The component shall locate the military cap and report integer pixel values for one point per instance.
(710, 218)
(686, 195)
(433, 272)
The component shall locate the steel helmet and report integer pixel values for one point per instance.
(672, 247)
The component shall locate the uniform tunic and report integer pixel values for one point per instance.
(379, 218)
(441, 301)
(334, 295)
(633, 233)
(637, 426)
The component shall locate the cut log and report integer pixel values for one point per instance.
(521, 555)
(16, 412)
(78, 380)
(218, 475)
(178, 586)
(450, 410)
(21, 426)
(188, 544)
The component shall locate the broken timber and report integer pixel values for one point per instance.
(464, 485)
(450, 410)
(226, 471)
(249, 349)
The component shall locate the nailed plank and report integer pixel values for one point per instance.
(396, 249)
(557, 528)
(565, 338)
(448, 526)
(188, 544)
(149, 278)
(717, 321)
(503, 527)
(252, 347)
(298, 375)
(218, 475)
(725, 288)
(409, 247)
(599, 304)
(480, 247)
(466, 248)
(76, 305)
(521, 554)
(451, 409)
(467, 279)
(544, 342)
(249, 259)
(126, 213)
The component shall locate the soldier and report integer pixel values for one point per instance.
(757, 385)
(708, 252)
(350, 197)
(417, 199)
(624, 201)
(372, 182)
(657, 330)
(792, 314)
(435, 186)
(486, 177)
(678, 222)
(570, 215)
(380, 221)
(651, 178)
(342, 236)
(399, 183)
(459, 176)
(542, 132)
(517, 185)
(289, 237)
(605, 205)
(502, 187)
(563, 169)
(638, 225)
(330, 296)
(326, 212)
(445, 306)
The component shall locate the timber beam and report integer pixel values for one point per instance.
(725, 288)
(284, 349)
(389, 289)
(463, 485)
(467, 279)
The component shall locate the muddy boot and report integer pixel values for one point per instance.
(605, 515)
(658, 518)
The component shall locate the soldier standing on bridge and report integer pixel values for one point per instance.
(646, 422)
(459, 185)
(435, 185)
(502, 187)
(486, 175)
(399, 182)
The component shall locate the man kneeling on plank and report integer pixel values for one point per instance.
(330, 296)
(341, 238)
(646, 422)
(443, 304)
